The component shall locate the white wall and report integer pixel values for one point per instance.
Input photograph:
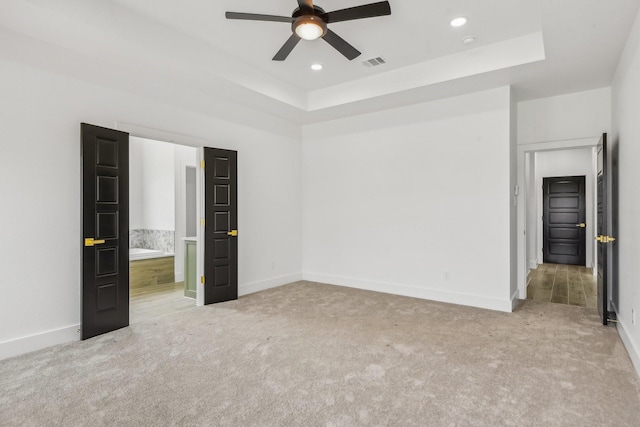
(158, 184)
(531, 203)
(626, 140)
(135, 186)
(574, 116)
(513, 197)
(41, 114)
(576, 162)
(413, 201)
(184, 156)
(152, 179)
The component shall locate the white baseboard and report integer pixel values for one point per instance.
(250, 288)
(632, 349)
(515, 300)
(39, 341)
(178, 277)
(496, 304)
(533, 264)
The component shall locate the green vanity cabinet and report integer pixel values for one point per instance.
(190, 255)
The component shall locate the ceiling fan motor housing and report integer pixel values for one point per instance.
(317, 11)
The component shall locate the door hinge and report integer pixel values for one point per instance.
(202, 279)
(201, 164)
(202, 222)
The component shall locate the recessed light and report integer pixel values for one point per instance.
(458, 22)
(316, 67)
(469, 39)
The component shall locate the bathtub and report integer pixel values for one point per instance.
(138, 253)
(148, 268)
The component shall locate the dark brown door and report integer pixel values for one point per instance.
(221, 226)
(564, 237)
(612, 178)
(603, 262)
(105, 230)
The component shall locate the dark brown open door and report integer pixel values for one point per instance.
(564, 220)
(105, 228)
(221, 226)
(602, 227)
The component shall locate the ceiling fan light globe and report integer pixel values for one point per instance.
(309, 27)
(309, 31)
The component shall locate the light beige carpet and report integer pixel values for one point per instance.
(307, 354)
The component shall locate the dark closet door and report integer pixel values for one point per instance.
(221, 226)
(105, 228)
(605, 261)
(564, 238)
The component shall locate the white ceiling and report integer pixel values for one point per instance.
(187, 52)
(415, 32)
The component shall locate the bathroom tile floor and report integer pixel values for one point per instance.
(153, 289)
(158, 301)
(563, 284)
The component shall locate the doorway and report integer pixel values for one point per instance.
(551, 159)
(163, 214)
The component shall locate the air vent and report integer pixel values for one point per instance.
(374, 62)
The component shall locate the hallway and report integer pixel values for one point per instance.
(563, 284)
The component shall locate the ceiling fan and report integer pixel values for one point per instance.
(309, 22)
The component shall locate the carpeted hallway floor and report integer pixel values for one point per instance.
(307, 354)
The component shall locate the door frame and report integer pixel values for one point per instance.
(197, 143)
(524, 151)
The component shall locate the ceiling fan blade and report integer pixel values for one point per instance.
(306, 4)
(358, 12)
(257, 17)
(286, 49)
(341, 45)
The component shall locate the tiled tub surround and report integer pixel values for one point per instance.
(162, 240)
(136, 239)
